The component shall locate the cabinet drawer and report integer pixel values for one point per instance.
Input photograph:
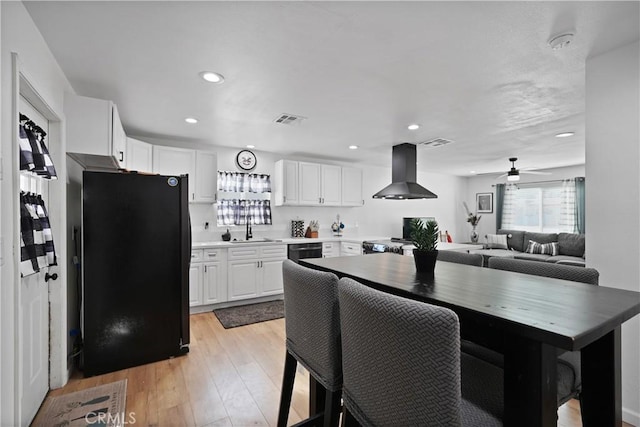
(274, 251)
(244, 252)
(350, 248)
(328, 246)
(214, 254)
(196, 255)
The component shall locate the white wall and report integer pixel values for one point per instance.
(20, 35)
(486, 183)
(612, 193)
(377, 218)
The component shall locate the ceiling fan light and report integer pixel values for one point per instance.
(513, 177)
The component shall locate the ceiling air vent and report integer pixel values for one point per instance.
(289, 119)
(436, 142)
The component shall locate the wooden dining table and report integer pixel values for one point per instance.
(527, 318)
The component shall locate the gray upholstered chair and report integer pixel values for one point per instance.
(460, 258)
(568, 372)
(402, 364)
(312, 324)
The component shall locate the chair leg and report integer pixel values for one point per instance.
(288, 377)
(332, 408)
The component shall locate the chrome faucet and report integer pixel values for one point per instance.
(248, 234)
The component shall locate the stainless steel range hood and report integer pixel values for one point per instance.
(403, 176)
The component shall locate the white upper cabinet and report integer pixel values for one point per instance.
(201, 166)
(331, 178)
(176, 161)
(309, 183)
(352, 187)
(95, 137)
(139, 155)
(206, 179)
(285, 183)
(314, 184)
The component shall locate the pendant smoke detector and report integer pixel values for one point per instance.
(561, 40)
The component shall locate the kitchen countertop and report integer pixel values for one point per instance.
(287, 240)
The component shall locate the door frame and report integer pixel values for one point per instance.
(23, 85)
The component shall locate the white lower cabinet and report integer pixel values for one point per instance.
(208, 277)
(350, 248)
(255, 271)
(195, 285)
(330, 249)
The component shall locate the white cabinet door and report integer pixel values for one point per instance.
(330, 249)
(195, 285)
(331, 185)
(285, 183)
(310, 185)
(139, 155)
(175, 161)
(206, 177)
(352, 187)
(119, 146)
(214, 282)
(243, 279)
(271, 276)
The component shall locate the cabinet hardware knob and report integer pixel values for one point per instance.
(121, 156)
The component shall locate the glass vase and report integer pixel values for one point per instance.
(474, 235)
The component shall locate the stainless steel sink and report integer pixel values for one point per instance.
(258, 240)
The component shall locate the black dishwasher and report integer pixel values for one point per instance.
(300, 251)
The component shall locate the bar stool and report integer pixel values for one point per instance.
(402, 364)
(312, 324)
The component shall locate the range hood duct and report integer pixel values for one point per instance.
(403, 176)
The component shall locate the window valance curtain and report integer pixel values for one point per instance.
(239, 212)
(244, 182)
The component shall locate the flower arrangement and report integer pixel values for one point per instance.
(472, 218)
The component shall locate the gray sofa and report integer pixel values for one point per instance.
(570, 247)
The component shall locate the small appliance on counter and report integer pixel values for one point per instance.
(297, 228)
(226, 236)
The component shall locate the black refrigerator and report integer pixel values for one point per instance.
(136, 250)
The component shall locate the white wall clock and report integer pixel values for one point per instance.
(246, 160)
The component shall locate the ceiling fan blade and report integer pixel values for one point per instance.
(535, 172)
(501, 176)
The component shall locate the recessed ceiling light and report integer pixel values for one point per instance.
(251, 146)
(353, 147)
(191, 120)
(212, 77)
(564, 134)
(472, 171)
(413, 127)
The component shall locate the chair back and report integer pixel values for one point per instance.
(401, 359)
(312, 322)
(460, 258)
(547, 269)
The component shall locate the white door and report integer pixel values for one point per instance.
(271, 276)
(243, 279)
(289, 182)
(176, 161)
(310, 185)
(34, 307)
(206, 184)
(352, 187)
(331, 185)
(214, 283)
(139, 157)
(195, 285)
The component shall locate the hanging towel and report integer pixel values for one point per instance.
(34, 155)
(36, 240)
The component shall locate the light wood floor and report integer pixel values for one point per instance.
(231, 377)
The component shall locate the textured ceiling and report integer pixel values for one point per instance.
(478, 73)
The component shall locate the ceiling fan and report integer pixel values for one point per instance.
(514, 174)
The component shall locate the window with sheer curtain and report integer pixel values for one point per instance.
(548, 208)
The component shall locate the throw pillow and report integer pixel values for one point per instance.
(542, 248)
(497, 241)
